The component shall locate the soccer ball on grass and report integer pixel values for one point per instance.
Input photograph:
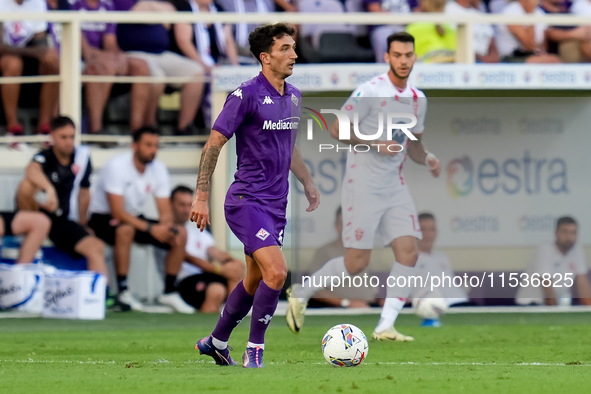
(344, 345)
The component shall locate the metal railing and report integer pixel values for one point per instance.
(70, 77)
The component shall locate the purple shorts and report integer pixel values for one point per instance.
(255, 226)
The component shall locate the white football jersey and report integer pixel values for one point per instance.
(372, 171)
(120, 176)
(549, 260)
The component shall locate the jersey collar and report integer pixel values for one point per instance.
(262, 79)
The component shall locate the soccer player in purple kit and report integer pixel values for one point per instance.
(263, 113)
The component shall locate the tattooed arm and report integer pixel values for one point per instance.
(209, 158)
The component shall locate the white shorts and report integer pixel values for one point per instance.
(168, 64)
(365, 214)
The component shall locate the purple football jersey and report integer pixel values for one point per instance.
(95, 31)
(265, 124)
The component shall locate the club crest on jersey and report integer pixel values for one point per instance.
(358, 234)
(262, 234)
(268, 100)
(148, 188)
(294, 99)
(237, 93)
(75, 168)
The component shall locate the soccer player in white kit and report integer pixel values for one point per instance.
(375, 197)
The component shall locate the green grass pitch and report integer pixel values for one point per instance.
(148, 353)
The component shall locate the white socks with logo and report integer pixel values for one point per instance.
(395, 296)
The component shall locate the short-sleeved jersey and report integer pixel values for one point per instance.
(265, 124)
(19, 33)
(433, 264)
(197, 245)
(549, 260)
(372, 171)
(62, 177)
(121, 177)
(94, 32)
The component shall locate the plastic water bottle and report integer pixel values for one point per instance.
(40, 197)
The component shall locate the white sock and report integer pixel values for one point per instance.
(261, 345)
(333, 267)
(395, 296)
(221, 345)
(390, 311)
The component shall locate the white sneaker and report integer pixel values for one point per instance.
(296, 310)
(391, 335)
(126, 297)
(176, 302)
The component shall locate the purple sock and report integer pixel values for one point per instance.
(265, 303)
(237, 306)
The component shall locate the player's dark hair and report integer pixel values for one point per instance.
(261, 39)
(565, 220)
(137, 135)
(339, 212)
(180, 189)
(61, 121)
(426, 216)
(401, 36)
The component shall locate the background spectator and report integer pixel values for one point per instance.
(435, 263)
(152, 43)
(102, 56)
(484, 42)
(571, 43)
(518, 44)
(24, 50)
(34, 226)
(208, 273)
(558, 259)
(242, 30)
(207, 44)
(434, 43)
(379, 34)
(62, 174)
(123, 187)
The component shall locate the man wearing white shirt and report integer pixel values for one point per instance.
(523, 44)
(484, 43)
(124, 185)
(435, 263)
(208, 273)
(558, 265)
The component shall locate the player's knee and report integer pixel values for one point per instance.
(408, 257)
(124, 233)
(276, 276)
(138, 67)
(12, 66)
(216, 293)
(42, 224)
(97, 246)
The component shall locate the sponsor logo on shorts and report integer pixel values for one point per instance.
(262, 234)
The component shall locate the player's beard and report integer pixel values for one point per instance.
(398, 75)
(145, 159)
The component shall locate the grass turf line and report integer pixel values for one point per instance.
(154, 354)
